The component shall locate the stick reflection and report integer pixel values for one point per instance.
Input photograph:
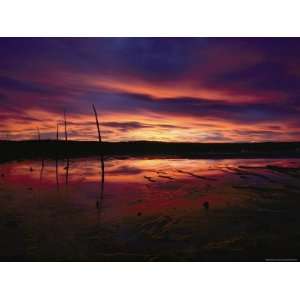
(99, 202)
(56, 173)
(67, 171)
(42, 171)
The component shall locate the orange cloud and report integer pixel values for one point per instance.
(179, 89)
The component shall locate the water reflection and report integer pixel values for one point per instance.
(56, 174)
(99, 202)
(150, 186)
(67, 171)
(146, 206)
(42, 171)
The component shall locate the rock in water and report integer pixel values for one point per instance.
(206, 205)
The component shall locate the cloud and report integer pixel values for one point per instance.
(160, 88)
(7, 83)
(133, 125)
(125, 125)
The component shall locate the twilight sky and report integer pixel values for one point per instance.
(169, 89)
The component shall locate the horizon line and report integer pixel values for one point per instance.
(149, 141)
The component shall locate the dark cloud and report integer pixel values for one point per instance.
(125, 125)
(248, 113)
(151, 58)
(7, 83)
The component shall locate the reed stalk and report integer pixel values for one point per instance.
(97, 123)
(99, 203)
(57, 138)
(66, 140)
(38, 134)
(65, 122)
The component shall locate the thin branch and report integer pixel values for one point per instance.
(99, 204)
(57, 138)
(97, 123)
(39, 139)
(66, 132)
(56, 159)
(66, 140)
(38, 134)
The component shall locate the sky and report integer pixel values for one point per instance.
(163, 89)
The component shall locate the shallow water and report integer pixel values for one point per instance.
(150, 209)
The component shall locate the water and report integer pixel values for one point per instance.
(149, 209)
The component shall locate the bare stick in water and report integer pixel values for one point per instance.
(39, 139)
(65, 121)
(38, 134)
(57, 131)
(99, 204)
(66, 140)
(97, 123)
(56, 160)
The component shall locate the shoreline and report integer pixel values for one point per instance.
(49, 149)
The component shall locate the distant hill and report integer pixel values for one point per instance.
(14, 150)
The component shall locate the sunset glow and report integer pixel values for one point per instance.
(165, 89)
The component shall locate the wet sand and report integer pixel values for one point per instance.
(143, 209)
